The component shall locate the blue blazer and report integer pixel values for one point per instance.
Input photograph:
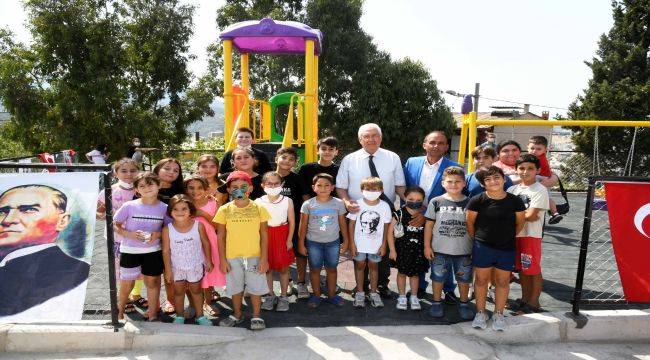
(413, 170)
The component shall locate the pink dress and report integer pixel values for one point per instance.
(214, 277)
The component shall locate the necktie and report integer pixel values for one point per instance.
(374, 173)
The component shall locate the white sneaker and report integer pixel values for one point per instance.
(499, 322)
(401, 303)
(359, 300)
(415, 303)
(375, 300)
(303, 292)
(480, 321)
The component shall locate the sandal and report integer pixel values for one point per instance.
(231, 321)
(168, 308)
(336, 300)
(313, 301)
(129, 308)
(210, 310)
(257, 324)
(141, 302)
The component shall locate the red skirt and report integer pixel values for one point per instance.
(279, 256)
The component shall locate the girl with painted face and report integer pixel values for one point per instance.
(281, 228)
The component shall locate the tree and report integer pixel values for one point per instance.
(101, 71)
(619, 89)
(357, 82)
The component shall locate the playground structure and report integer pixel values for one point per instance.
(264, 117)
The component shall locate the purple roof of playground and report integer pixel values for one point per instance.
(267, 36)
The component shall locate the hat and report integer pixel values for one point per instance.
(235, 175)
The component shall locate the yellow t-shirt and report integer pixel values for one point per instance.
(242, 228)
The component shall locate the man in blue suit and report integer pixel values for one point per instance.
(426, 172)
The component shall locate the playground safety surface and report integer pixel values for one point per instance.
(560, 250)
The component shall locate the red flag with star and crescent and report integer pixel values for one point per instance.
(628, 204)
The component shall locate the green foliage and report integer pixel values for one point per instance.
(619, 88)
(10, 148)
(101, 71)
(357, 82)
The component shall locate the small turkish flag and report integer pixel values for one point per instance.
(628, 204)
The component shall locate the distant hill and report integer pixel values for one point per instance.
(209, 123)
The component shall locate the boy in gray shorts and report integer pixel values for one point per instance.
(242, 236)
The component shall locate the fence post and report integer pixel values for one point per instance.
(584, 243)
(110, 241)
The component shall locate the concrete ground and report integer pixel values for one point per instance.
(561, 245)
(363, 345)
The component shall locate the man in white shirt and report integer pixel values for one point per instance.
(357, 166)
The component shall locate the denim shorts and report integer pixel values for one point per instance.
(461, 265)
(323, 254)
(485, 256)
(371, 257)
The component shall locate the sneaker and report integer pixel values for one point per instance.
(283, 304)
(303, 292)
(269, 302)
(499, 322)
(480, 321)
(465, 310)
(401, 303)
(203, 321)
(375, 300)
(359, 300)
(436, 309)
(415, 303)
(555, 218)
(450, 298)
(179, 320)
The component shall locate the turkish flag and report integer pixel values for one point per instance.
(628, 204)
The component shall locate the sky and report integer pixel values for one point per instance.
(518, 50)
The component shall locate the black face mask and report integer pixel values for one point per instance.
(415, 205)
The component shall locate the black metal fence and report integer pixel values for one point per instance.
(105, 182)
(597, 279)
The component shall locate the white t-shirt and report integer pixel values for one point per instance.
(533, 196)
(97, 157)
(369, 226)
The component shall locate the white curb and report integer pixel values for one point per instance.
(610, 325)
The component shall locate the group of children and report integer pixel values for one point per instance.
(239, 229)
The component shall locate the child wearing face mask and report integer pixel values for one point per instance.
(367, 229)
(280, 245)
(406, 244)
(242, 233)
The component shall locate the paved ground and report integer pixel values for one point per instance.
(360, 344)
(560, 257)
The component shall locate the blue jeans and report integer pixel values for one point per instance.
(448, 286)
(462, 266)
(323, 254)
